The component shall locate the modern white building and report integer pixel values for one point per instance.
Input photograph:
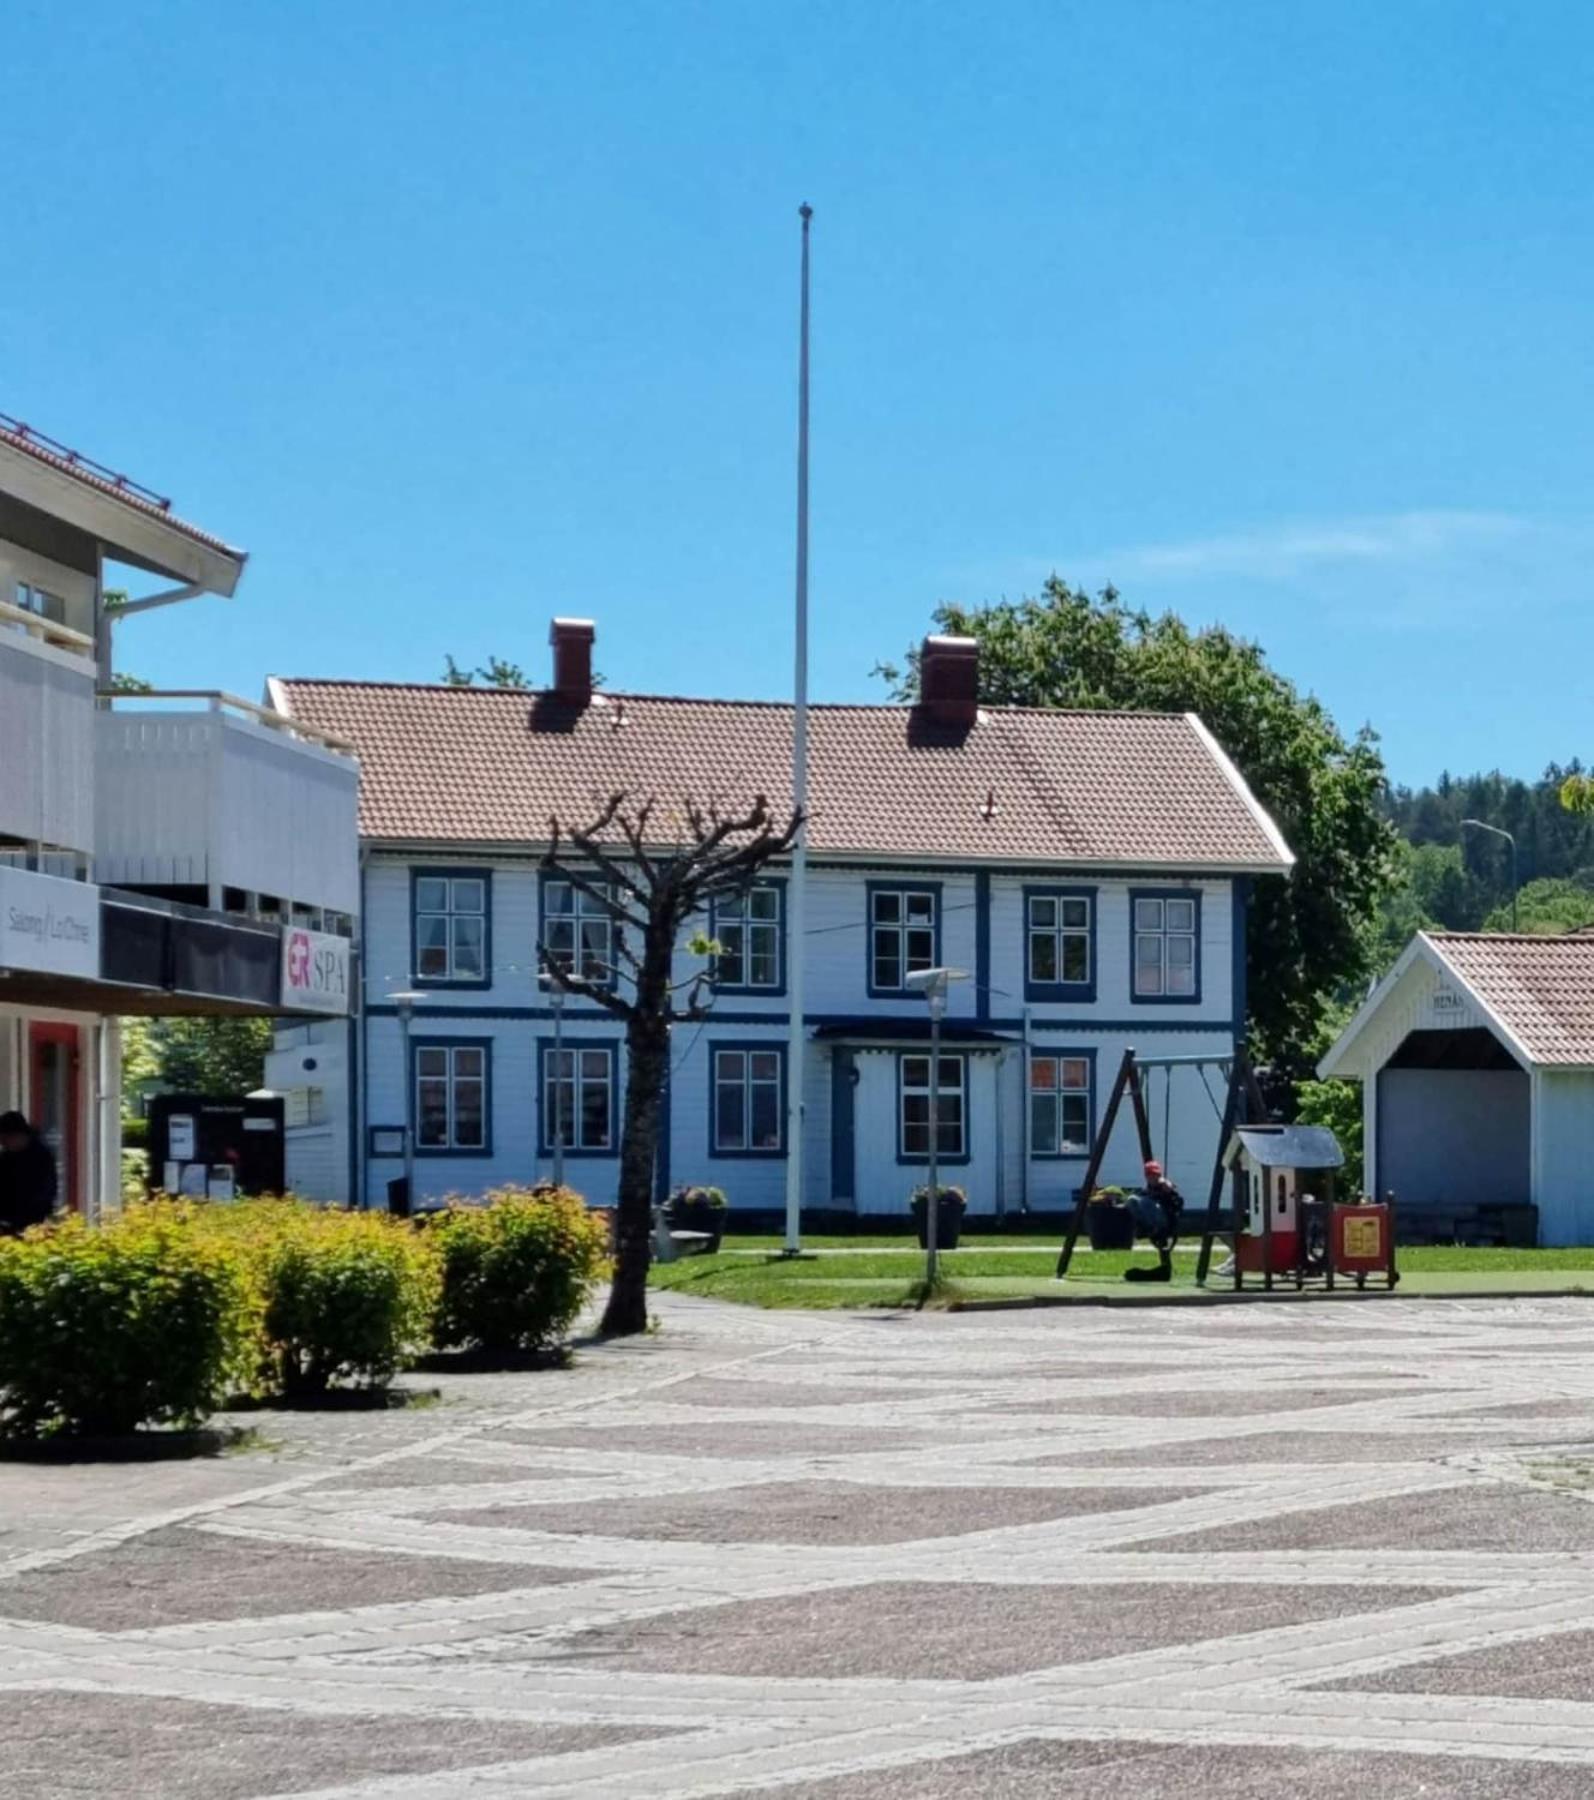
(1089, 871)
(164, 852)
(1475, 1055)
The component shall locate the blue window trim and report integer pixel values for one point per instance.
(579, 1040)
(1165, 893)
(1058, 1051)
(914, 1159)
(870, 889)
(982, 944)
(778, 883)
(544, 876)
(1238, 998)
(476, 1152)
(449, 983)
(744, 1044)
(1060, 990)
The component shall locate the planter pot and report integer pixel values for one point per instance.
(1110, 1227)
(948, 1224)
(696, 1215)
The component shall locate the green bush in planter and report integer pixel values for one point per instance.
(141, 1322)
(953, 1197)
(344, 1296)
(517, 1269)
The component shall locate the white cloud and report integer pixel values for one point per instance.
(1281, 552)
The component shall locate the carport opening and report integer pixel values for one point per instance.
(1454, 1111)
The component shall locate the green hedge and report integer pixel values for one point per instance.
(140, 1322)
(343, 1296)
(156, 1318)
(517, 1270)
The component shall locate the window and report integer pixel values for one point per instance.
(41, 602)
(1165, 947)
(577, 931)
(451, 927)
(451, 1097)
(747, 928)
(913, 1081)
(748, 1101)
(1059, 950)
(902, 934)
(1059, 1104)
(578, 1097)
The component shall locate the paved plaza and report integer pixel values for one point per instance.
(1238, 1551)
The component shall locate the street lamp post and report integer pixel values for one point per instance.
(1499, 831)
(556, 999)
(933, 984)
(405, 1002)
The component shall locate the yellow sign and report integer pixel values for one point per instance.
(1363, 1237)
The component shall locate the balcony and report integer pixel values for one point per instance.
(46, 733)
(206, 796)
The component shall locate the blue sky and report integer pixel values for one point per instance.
(457, 317)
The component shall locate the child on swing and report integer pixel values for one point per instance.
(1157, 1208)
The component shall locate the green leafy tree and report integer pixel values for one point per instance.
(1547, 909)
(193, 1055)
(495, 672)
(1312, 935)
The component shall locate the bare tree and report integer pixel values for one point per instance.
(648, 892)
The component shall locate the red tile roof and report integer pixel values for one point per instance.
(17, 436)
(483, 765)
(1540, 989)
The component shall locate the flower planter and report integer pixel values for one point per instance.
(948, 1220)
(697, 1215)
(1110, 1227)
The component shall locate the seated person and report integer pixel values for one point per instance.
(1158, 1208)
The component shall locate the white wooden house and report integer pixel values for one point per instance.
(1475, 1055)
(1090, 871)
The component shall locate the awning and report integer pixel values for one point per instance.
(867, 1032)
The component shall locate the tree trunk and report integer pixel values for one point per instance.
(647, 1038)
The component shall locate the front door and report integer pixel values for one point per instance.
(53, 1103)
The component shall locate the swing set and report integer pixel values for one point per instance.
(1242, 1104)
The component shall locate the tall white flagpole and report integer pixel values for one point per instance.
(797, 1043)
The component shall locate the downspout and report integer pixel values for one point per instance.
(359, 1054)
(1001, 1138)
(1023, 1100)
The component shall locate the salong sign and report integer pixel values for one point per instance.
(316, 971)
(48, 924)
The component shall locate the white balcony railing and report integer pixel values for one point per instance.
(46, 732)
(207, 791)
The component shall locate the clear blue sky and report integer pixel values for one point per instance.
(460, 316)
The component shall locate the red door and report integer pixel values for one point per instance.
(53, 1089)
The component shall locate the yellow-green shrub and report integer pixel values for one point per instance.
(517, 1269)
(142, 1321)
(344, 1296)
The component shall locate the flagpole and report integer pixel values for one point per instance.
(797, 1043)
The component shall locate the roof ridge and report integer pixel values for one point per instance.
(894, 707)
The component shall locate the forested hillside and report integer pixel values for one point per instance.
(1461, 879)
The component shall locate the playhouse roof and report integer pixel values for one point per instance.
(1290, 1146)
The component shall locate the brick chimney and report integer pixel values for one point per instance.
(572, 659)
(949, 680)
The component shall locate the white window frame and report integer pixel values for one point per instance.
(452, 1078)
(1053, 1096)
(1058, 934)
(733, 915)
(453, 913)
(901, 929)
(1154, 930)
(913, 1083)
(740, 1059)
(568, 1067)
(590, 924)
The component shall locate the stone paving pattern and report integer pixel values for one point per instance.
(1243, 1551)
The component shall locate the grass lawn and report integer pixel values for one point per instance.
(874, 1272)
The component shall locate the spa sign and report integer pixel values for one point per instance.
(315, 971)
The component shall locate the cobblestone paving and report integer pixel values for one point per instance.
(1248, 1551)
